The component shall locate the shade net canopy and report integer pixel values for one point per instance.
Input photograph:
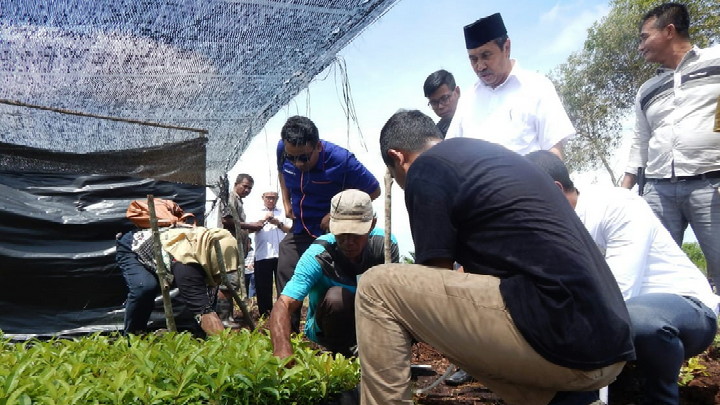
(223, 66)
(106, 101)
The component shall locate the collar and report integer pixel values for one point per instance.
(692, 54)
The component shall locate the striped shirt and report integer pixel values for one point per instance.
(674, 118)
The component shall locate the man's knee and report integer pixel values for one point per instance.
(338, 299)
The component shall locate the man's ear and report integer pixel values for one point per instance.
(397, 156)
(557, 183)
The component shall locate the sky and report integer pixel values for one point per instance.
(387, 64)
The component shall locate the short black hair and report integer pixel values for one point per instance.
(299, 131)
(407, 130)
(670, 13)
(551, 164)
(437, 79)
(242, 176)
(500, 41)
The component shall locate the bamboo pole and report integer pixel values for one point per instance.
(201, 132)
(226, 281)
(388, 216)
(162, 271)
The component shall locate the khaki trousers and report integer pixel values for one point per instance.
(464, 317)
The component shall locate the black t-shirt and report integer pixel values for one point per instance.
(495, 213)
(443, 125)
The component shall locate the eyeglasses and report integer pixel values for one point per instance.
(299, 158)
(442, 100)
(270, 197)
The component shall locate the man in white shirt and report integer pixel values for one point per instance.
(672, 308)
(267, 244)
(674, 140)
(510, 106)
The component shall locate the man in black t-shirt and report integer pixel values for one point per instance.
(536, 315)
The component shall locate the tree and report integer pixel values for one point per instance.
(693, 251)
(598, 83)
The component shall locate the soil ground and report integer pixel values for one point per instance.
(704, 389)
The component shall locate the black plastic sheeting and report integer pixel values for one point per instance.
(181, 162)
(57, 247)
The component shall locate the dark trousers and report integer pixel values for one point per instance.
(335, 316)
(193, 290)
(264, 275)
(142, 286)
(291, 248)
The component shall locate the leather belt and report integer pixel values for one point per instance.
(709, 175)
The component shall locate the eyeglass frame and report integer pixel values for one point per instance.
(444, 100)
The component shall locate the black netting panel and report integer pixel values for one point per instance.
(222, 66)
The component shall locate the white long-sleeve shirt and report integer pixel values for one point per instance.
(523, 114)
(642, 255)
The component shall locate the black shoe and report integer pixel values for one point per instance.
(458, 378)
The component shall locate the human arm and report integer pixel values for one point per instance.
(375, 194)
(430, 192)
(628, 232)
(440, 262)
(251, 226)
(287, 206)
(211, 323)
(638, 148)
(628, 181)
(554, 127)
(279, 325)
(281, 225)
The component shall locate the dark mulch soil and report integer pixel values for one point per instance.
(704, 389)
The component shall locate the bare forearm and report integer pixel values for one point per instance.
(211, 323)
(629, 180)
(279, 325)
(285, 197)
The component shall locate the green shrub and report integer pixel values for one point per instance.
(693, 251)
(233, 368)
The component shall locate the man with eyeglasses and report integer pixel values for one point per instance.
(443, 96)
(310, 172)
(510, 106)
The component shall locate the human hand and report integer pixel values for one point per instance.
(283, 353)
(325, 223)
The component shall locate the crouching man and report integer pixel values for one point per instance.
(536, 316)
(328, 272)
(672, 307)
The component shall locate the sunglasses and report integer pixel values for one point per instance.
(299, 158)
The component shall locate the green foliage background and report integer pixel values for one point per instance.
(598, 84)
(233, 368)
(696, 255)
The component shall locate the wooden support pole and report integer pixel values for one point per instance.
(226, 282)
(162, 271)
(388, 216)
